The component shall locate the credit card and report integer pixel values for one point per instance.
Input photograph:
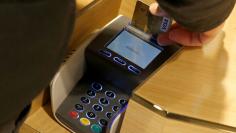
(148, 23)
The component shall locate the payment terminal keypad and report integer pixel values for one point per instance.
(91, 105)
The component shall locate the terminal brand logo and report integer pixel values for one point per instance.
(165, 24)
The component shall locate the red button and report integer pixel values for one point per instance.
(74, 114)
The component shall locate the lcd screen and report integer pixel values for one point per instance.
(134, 49)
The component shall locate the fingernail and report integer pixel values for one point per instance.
(156, 10)
(153, 8)
(164, 40)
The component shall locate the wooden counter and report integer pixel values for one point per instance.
(139, 119)
(198, 83)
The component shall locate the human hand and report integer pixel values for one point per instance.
(181, 35)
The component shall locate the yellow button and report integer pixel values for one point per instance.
(85, 121)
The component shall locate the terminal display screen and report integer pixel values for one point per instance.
(134, 49)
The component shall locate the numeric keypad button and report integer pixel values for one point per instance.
(109, 115)
(103, 122)
(123, 102)
(115, 108)
(79, 107)
(103, 101)
(97, 108)
(96, 86)
(110, 94)
(91, 93)
(85, 100)
(91, 115)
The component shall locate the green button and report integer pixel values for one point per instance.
(96, 128)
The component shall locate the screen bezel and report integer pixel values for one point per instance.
(149, 42)
(135, 36)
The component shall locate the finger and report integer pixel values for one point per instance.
(163, 39)
(184, 37)
(156, 10)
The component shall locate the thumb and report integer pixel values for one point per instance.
(164, 40)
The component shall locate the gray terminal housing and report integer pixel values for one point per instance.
(113, 73)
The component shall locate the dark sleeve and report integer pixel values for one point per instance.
(33, 40)
(198, 15)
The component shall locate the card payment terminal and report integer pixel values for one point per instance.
(118, 59)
